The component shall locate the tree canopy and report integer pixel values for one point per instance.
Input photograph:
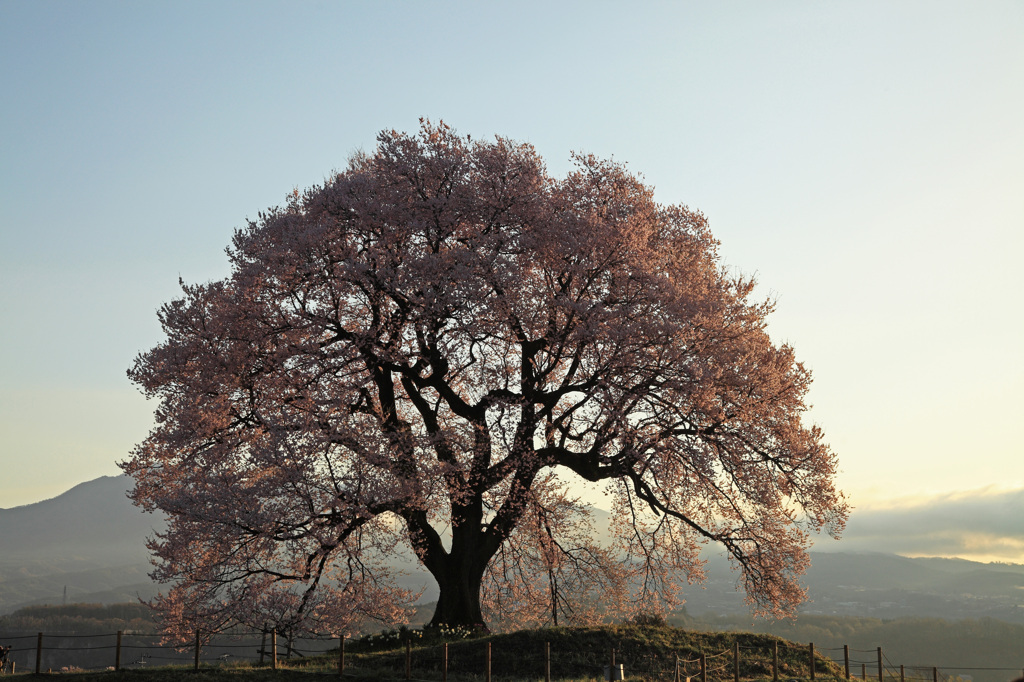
(425, 351)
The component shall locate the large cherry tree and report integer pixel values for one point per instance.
(423, 352)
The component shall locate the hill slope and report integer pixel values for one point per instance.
(90, 539)
(94, 521)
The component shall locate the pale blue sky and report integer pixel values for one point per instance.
(866, 160)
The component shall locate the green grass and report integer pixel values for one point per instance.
(580, 653)
(647, 652)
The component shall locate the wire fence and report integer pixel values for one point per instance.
(63, 652)
(58, 652)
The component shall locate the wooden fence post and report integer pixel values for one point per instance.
(881, 670)
(117, 652)
(775, 661)
(703, 668)
(735, 661)
(863, 671)
(273, 649)
(935, 675)
(39, 652)
(902, 676)
(846, 659)
(408, 659)
(547, 661)
(444, 663)
(196, 667)
(341, 656)
(810, 652)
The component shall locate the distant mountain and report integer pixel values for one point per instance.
(92, 521)
(883, 586)
(92, 540)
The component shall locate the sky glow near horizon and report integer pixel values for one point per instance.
(865, 161)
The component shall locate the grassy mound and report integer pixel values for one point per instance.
(647, 652)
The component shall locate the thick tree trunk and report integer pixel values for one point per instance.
(459, 572)
(459, 575)
(459, 600)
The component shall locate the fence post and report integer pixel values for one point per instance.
(408, 659)
(444, 663)
(703, 668)
(39, 652)
(810, 652)
(273, 649)
(341, 656)
(863, 671)
(197, 650)
(735, 661)
(117, 652)
(902, 676)
(775, 661)
(935, 675)
(488, 662)
(547, 661)
(881, 670)
(846, 660)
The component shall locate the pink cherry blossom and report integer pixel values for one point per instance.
(419, 353)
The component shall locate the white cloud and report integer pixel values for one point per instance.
(984, 525)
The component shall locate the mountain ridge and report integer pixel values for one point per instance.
(94, 520)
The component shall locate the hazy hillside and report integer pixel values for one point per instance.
(80, 619)
(884, 586)
(90, 539)
(93, 520)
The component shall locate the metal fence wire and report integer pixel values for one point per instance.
(64, 652)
